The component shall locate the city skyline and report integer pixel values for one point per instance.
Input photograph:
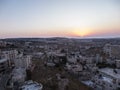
(59, 18)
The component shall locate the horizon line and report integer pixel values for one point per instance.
(62, 37)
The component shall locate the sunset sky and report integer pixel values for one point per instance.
(59, 18)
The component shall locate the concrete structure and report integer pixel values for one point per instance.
(108, 79)
(31, 85)
(2, 44)
(88, 83)
(112, 50)
(74, 68)
(4, 80)
(18, 75)
(10, 56)
(72, 59)
(23, 62)
(56, 58)
(117, 62)
(3, 65)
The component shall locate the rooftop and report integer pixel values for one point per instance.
(3, 60)
(31, 85)
(109, 80)
(89, 83)
(115, 73)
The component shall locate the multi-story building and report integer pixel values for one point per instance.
(112, 50)
(3, 65)
(24, 62)
(10, 56)
(18, 75)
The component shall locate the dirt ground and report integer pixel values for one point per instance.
(47, 76)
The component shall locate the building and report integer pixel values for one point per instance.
(4, 73)
(3, 65)
(23, 62)
(107, 79)
(112, 50)
(31, 85)
(74, 68)
(2, 44)
(56, 58)
(117, 62)
(18, 75)
(10, 56)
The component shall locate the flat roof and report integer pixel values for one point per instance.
(110, 72)
(3, 60)
(109, 80)
(30, 85)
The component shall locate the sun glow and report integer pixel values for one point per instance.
(81, 32)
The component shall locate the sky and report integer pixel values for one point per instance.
(59, 18)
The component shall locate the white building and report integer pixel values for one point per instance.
(10, 56)
(18, 75)
(108, 79)
(31, 85)
(23, 62)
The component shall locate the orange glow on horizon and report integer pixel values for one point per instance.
(65, 32)
(81, 33)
